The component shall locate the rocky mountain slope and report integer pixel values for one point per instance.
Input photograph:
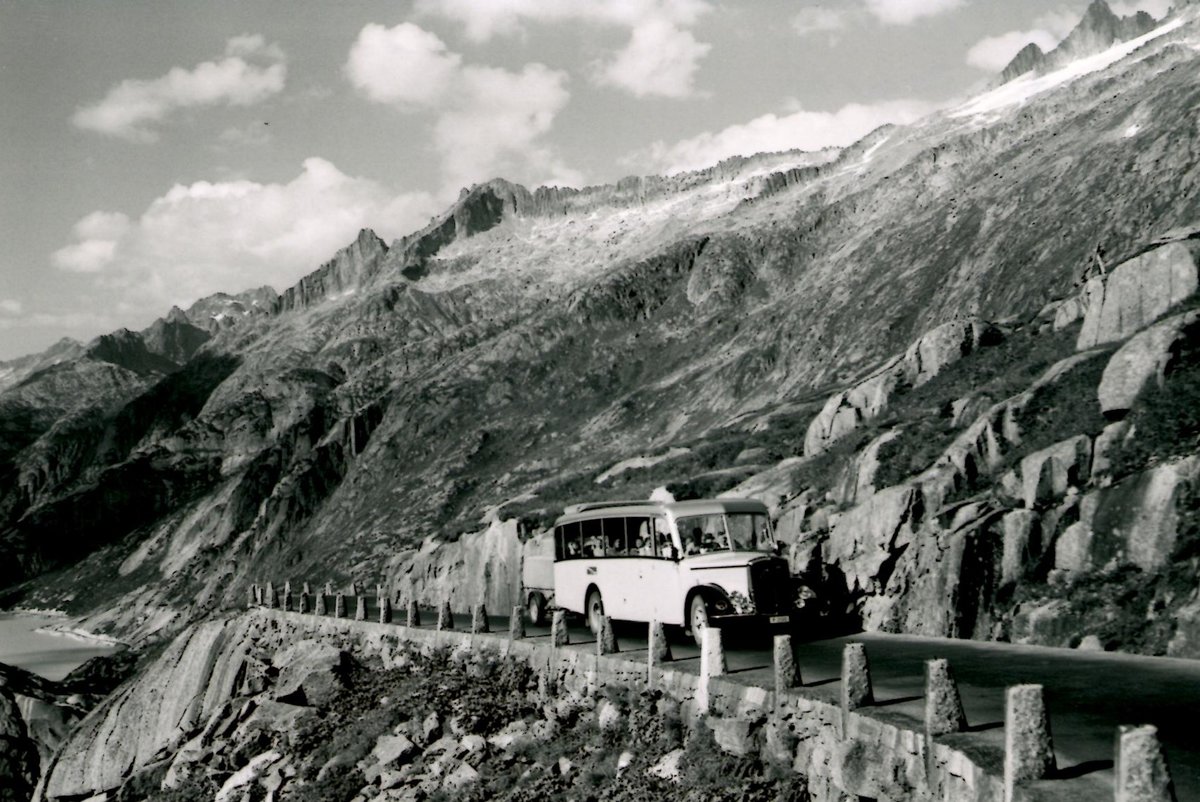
(765, 326)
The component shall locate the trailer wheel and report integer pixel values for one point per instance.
(535, 608)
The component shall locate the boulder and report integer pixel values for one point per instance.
(667, 768)
(1135, 293)
(868, 537)
(1146, 357)
(390, 749)
(1186, 640)
(945, 345)
(310, 673)
(246, 775)
(1112, 435)
(462, 777)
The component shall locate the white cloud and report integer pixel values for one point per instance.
(10, 306)
(660, 59)
(1155, 8)
(818, 19)
(993, 53)
(904, 12)
(404, 64)
(199, 238)
(488, 121)
(805, 130)
(250, 72)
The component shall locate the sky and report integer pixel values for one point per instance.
(158, 151)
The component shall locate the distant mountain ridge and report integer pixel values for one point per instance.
(1098, 30)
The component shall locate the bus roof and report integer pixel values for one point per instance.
(615, 509)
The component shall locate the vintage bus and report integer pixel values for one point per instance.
(684, 563)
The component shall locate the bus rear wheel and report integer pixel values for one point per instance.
(594, 610)
(535, 608)
(698, 618)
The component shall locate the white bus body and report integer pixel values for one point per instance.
(681, 563)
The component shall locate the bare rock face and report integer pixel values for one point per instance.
(18, 753)
(867, 540)
(310, 673)
(1136, 292)
(1145, 358)
(1046, 474)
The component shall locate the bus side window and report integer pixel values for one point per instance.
(592, 532)
(614, 534)
(560, 549)
(662, 537)
(641, 539)
(570, 542)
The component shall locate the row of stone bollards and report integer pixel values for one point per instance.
(1142, 774)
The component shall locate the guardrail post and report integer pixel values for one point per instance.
(303, 606)
(360, 608)
(659, 649)
(516, 623)
(286, 602)
(413, 616)
(385, 610)
(1028, 746)
(606, 641)
(251, 595)
(445, 617)
(787, 672)
(479, 619)
(339, 605)
(943, 706)
(328, 588)
(287, 587)
(712, 653)
(1142, 771)
(306, 589)
(558, 629)
(856, 678)
(320, 608)
(272, 602)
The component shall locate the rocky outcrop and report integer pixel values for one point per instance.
(1146, 358)
(1136, 292)
(18, 753)
(345, 273)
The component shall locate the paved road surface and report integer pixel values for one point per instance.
(1089, 694)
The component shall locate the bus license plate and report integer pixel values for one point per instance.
(779, 619)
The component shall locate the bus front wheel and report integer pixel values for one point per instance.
(594, 610)
(698, 618)
(535, 607)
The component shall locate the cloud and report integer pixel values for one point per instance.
(1155, 8)
(10, 306)
(805, 130)
(818, 19)
(250, 72)
(488, 121)
(660, 59)
(904, 12)
(993, 53)
(250, 135)
(200, 238)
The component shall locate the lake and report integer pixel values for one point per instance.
(52, 656)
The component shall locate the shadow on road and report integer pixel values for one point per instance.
(897, 701)
(1080, 769)
(991, 725)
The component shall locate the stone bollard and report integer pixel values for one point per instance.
(306, 589)
(413, 618)
(385, 610)
(1142, 771)
(272, 602)
(516, 623)
(445, 617)
(606, 641)
(658, 647)
(319, 608)
(339, 605)
(286, 604)
(360, 609)
(251, 595)
(479, 619)
(287, 587)
(856, 678)
(943, 706)
(1028, 747)
(787, 673)
(558, 629)
(328, 588)
(258, 594)
(355, 589)
(303, 602)
(712, 653)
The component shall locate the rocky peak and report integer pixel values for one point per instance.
(348, 270)
(127, 349)
(1031, 57)
(174, 336)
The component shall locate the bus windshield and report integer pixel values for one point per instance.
(734, 531)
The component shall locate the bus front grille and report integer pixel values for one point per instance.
(769, 582)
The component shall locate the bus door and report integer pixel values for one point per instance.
(658, 597)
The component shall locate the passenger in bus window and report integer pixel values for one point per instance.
(644, 549)
(572, 549)
(695, 543)
(616, 546)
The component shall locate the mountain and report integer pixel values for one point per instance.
(1098, 30)
(756, 327)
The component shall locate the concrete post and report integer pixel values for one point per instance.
(319, 608)
(943, 706)
(286, 603)
(659, 648)
(339, 605)
(306, 590)
(251, 595)
(856, 678)
(558, 629)
(479, 619)
(385, 610)
(1142, 771)
(328, 588)
(712, 653)
(258, 594)
(1028, 747)
(303, 603)
(287, 587)
(445, 617)
(413, 617)
(272, 601)
(606, 642)
(360, 610)
(787, 673)
(516, 623)
(355, 589)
